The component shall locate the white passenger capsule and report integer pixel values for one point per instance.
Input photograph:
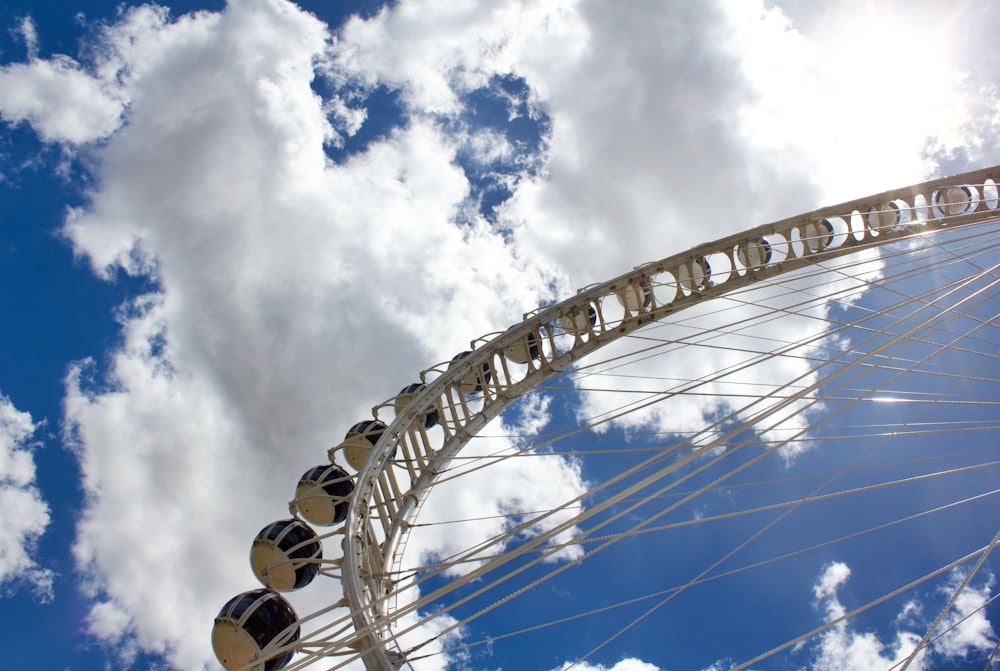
(578, 322)
(473, 382)
(405, 397)
(524, 350)
(285, 555)
(251, 622)
(359, 441)
(323, 495)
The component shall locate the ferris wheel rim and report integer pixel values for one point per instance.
(875, 232)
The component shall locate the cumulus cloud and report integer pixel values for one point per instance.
(24, 515)
(825, 590)
(964, 631)
(730, 99)
(627, 664)
(73, 101)
(434, 54)
(62, 102)
(292, 295)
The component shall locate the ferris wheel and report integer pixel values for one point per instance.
(849, 358)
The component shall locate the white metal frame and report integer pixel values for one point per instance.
(382, 510)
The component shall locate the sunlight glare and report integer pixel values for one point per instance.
(860, 95)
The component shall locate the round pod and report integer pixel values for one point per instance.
(405, 397)
(323, 495)
(360, 440)
(578, 322)
(819, 234)
(632, 296)
(525, 350)
(696, 276)
(884, 217)
(757, 253)
(955, 201)
(285, 555)
(251, 622)
(474, 381)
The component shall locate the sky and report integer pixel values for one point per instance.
(229, 230)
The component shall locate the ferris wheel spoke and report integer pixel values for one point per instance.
(916, 326)
(590, 512)
(898, 338)
(730, 572)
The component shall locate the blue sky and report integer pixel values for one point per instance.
(227, 231)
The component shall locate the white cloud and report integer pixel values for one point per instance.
(718, 116)
(627, 664)
(30, 36)
(965, 629)
(293, 296)
(849, 149)
(61, 101)
(843, 648)
(24, 515)
(834, 575)
(534, 414)
(433, 53)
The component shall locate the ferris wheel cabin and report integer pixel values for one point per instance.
(250, 627)
(322, 495)
(285, 555)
